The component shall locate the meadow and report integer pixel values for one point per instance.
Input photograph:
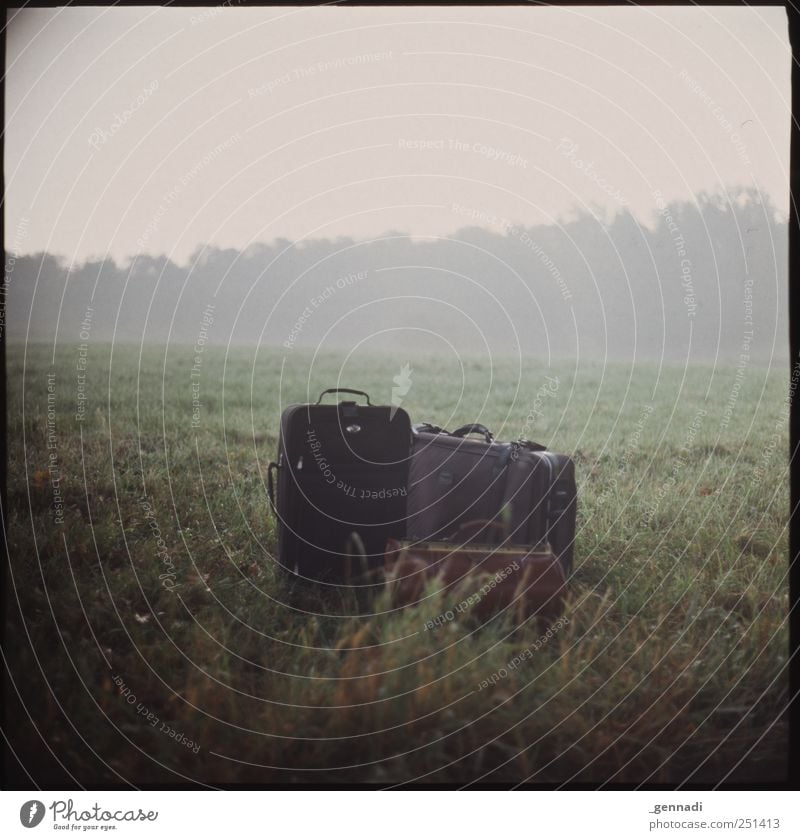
(150, 640)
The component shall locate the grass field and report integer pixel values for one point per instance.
(670, 668)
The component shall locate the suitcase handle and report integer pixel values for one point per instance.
(430, 429)
(474, 428)
(343, 391)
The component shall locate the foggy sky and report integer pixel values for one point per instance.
(153, 130)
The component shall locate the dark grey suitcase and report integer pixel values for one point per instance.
(455, 479)
(342, 485)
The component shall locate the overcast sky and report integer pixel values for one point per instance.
(156, 130)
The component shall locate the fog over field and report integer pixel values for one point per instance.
(567, 182)
(707, 282)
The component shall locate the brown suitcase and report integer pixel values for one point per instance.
(487, 577)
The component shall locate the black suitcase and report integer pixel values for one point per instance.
(342, 486)
(455, 479)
